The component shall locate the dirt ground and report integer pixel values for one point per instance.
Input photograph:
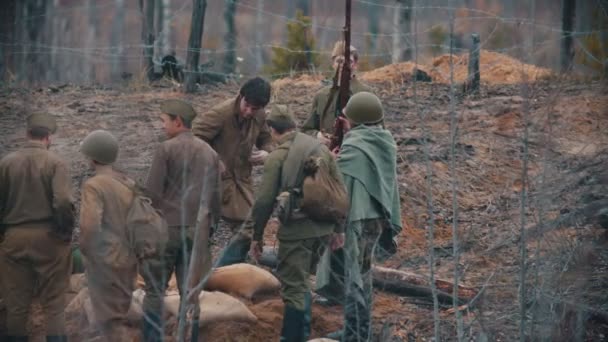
(566, 258)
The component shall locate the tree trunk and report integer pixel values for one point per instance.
(230, 37)
(373, 25)
(259, 39)
(89, 74)
(7, 25)
(33, 29)
(568, 15)
(405, 29)
(148, 38)
(194, 44)
(116, 40)
(304, 6)
(166, 27)
(159, 13)
(396, 34)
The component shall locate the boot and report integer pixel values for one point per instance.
(151, 327)
(293, 325)
(57, 338)
(235, 252)
(307, 321)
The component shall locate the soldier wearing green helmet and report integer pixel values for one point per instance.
(110, 265)
(184, 171)
(36, 223)
(368, 162)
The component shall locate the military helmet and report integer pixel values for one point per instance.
(179, 108)
(100, 146)
(44, 121)
(281, 114)
(364, 108)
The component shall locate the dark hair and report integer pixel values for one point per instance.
(256, 92)
(38, 133)
(186, 123)
(281, 126)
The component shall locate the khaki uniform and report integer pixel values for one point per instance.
(36, 215)
(301, 241)
(233, 139)
(184, 170)
(111, 266)
(321, 119)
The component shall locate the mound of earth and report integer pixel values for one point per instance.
(398, 72)
(303, 79)
(495, 68)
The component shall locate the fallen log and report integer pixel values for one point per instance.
(401, 282)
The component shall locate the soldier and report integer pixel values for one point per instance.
(183, 170)
(320, 123)
(368, 162)
(232, 129)
(111, 266)
(301, 239)
(36, 223)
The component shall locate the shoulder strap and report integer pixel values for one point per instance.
(302, 147)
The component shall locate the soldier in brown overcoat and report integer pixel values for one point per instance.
(111, 266)
(36, 223)
(233, 128)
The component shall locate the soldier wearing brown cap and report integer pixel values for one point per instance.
(320, 123)
(36, 222)
(184, 170)
(233, 128)
(302, 239)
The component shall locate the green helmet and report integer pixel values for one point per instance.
(101, 146)
(364, 108)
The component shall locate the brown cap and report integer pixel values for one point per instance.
(281, 114)
(179, 108)
(40, 120)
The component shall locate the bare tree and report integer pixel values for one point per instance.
(159, 13)
(89, 74)
(194, 44)
(148, 37)
(116, 38)
(259, 39)
(373, 25)
(403, 23)
(31, 16)
(230, 37)
(166, 28)
(568, 15)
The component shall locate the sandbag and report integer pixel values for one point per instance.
(243, 280)
(81, 304)
(215, 307)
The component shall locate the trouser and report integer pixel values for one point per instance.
(297, 260)
(238, 247)
(157, 273)
(33, 260)
(358, 300)
(111, 287)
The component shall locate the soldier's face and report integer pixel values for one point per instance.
(337, 61)
(247, 110)
(169, 125)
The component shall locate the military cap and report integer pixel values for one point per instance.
(281, 114)
(179, 108)
(100, 146)
(364, 108)
(339, 49)
(39, 120)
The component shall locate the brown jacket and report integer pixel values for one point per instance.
(35, 187)
(322, 119)
(233, 139)
(176, 178)
(103, 219)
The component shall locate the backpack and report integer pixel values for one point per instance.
(319, 196)
(147, 230)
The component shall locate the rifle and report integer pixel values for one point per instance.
(342, 82)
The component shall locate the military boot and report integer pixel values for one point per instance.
(307, 322)
(293, 325)
(151, 327)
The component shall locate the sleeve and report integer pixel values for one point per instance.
(264, 140)
(90, 217)
(63, 203)
(208, 125)
(155, 183)
(311, 125)
(267, 193)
